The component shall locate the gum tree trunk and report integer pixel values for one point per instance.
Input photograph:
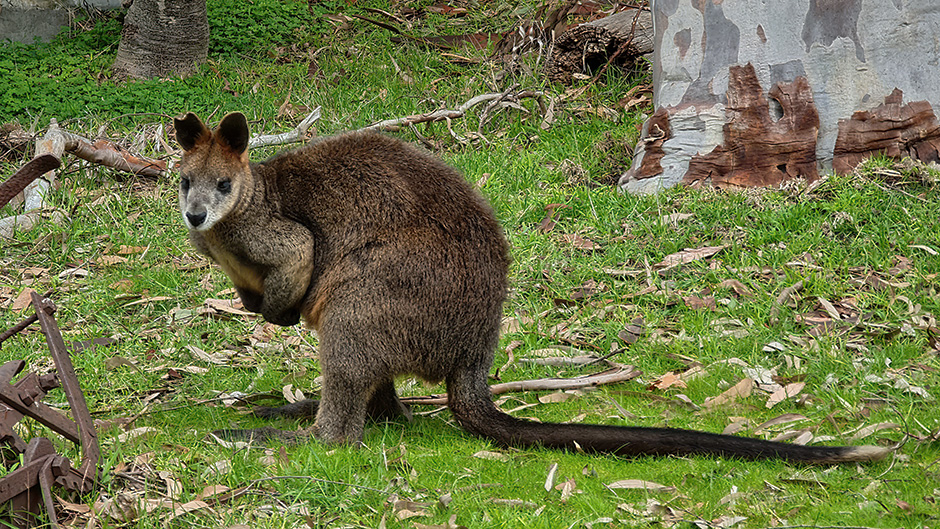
(162, 38)
(756, 93)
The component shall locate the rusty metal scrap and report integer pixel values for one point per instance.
(28, 489)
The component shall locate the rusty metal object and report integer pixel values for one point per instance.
(28, 489)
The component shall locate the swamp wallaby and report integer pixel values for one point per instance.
(401, 268)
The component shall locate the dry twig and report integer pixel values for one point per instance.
(298, 133)
(495, 98)
(622, 374)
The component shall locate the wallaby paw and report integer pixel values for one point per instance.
(263, 435)
(304, 409)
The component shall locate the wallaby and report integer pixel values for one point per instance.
(401, 268)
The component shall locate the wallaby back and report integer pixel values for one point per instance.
(401, 267)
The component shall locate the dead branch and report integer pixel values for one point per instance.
(450, 114)
(57, 142)
(32, 170)
(298, 133)
(621, 374)
(35, 179)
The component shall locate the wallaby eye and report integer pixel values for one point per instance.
(184, 183)
(224, 186)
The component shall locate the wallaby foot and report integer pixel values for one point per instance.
(265, 434)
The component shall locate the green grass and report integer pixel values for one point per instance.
(830, 238)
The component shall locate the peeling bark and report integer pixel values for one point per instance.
(657, 132)
(758, 150)
(890, 129)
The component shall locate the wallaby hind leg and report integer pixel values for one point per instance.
(383, 406)
(341, 416)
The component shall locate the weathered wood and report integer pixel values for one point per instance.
(621, 38)
(757, 150)
(890, 129)
(34, 169)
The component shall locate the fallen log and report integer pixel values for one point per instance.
(620, 39)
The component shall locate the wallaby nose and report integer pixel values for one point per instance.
(195, 219)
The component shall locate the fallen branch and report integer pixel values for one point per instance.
(622, 374)
(32, 170)
(35, 179)
(298, 133)
(496, 98)
(57, 142)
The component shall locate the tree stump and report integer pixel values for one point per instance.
(754, 93)
(620, 38)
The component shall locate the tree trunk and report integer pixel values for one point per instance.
(162, 38)
(756, 93)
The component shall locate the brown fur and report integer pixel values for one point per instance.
(401, 268)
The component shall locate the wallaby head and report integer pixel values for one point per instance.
(214, 170)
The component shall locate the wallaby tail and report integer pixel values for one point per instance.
(471, 405)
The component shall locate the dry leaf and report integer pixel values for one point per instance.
(23, 300)
(188, 507)
(784, 393)
(927, 249)
(213, 358)
(699, 303)
(405, 509)
(135, 433)
(127, 250)
(496, 456)
(110, 260)
(780, 419)
(567, 488)
(740, 390)
(735, 427)
(550, 478)
(640, 484)
(228, 306)
(738, 287)
(729, 521)
(687, 256)
(582, 243)
(211, 491)
(666, 381)
(74, 273)
(868, 430)
(557, 396)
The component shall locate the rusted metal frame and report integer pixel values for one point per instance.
(13, 397)
(30, 486)
(88, 436)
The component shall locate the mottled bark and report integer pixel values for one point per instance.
(162, 38)
(827, 62)
(758, 150)
(655, 133)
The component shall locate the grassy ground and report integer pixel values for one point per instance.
(858, 335)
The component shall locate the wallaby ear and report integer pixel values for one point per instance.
(190, 130)
(234, 131)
